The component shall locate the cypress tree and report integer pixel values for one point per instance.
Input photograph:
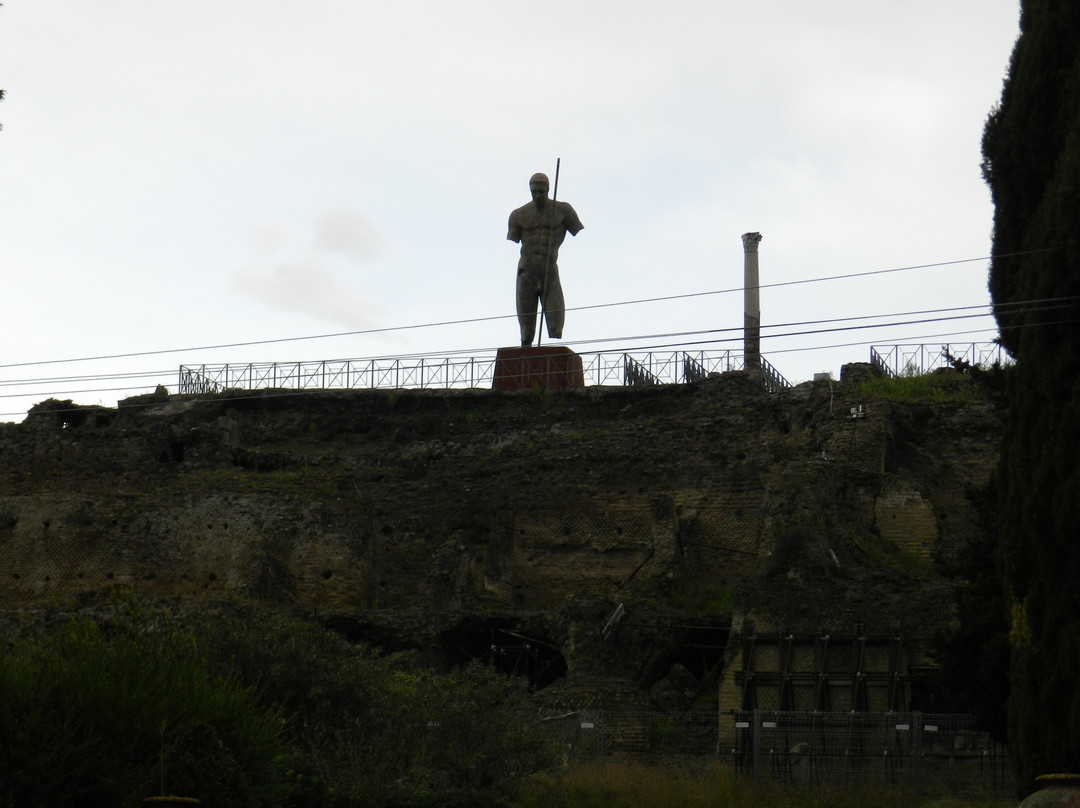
(1031, 161)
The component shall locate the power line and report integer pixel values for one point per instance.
(685, 339)
(85, 378)
(468, 321)
(629, 338)
(737, 330)
(72, 392)
(619, 339)
(697, 342)
(656, 346)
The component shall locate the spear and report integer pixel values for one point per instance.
(547, 262)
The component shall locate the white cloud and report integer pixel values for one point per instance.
(347, 233)
(299, 277)
(271, 238)
(309, 289)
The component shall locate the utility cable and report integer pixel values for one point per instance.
(620, 339)
(391, 329)
(656, 346)
(1027, 306)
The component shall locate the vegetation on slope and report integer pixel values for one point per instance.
(107, 715)
(938, 387)
(1031, 149)
(258, 709)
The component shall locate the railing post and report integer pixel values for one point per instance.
(755, 743)
(916, 752)
(601, 728)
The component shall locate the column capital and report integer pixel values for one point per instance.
(750, 241)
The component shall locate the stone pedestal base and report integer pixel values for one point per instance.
(543, 366)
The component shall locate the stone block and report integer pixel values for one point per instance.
(539, 366)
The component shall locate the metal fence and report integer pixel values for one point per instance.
(604, 734)
(602, 368)
(928, 753)
(915, 360)
(615, 368)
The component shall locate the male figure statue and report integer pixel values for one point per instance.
(540, 226)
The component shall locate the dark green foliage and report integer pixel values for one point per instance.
(1031, 148)
(107, 715)
(259, 710)
(974, 657)
(1032, 164)
(937, 387)
(368, 730)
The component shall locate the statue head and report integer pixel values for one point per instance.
(538, 185)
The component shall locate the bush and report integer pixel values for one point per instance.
(937, 387)
(255, 711)
(107, 715)
(366, 731)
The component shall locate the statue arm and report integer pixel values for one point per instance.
(513, 232)
(570, 217)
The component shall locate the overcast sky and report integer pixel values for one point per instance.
(175, 177)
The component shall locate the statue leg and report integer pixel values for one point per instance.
(554, 307)
(527, 298)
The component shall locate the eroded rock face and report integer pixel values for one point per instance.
(407, 514)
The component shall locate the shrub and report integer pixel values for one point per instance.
(368, 731)
(107, 715)
(929, 387)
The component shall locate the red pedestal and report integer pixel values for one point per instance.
(542, 366)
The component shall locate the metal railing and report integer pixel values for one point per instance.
(343, 374)
(620, 369)
(592, 734)
(931, 753)
(637, 375)
(771, 376)
(915, 360)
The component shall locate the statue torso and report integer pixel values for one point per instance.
(539, 230)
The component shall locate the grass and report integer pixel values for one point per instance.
(699, 598)
(622, 785)
(933, 387)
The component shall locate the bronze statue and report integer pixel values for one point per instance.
(540, 226)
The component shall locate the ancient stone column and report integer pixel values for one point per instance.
(751, 303)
